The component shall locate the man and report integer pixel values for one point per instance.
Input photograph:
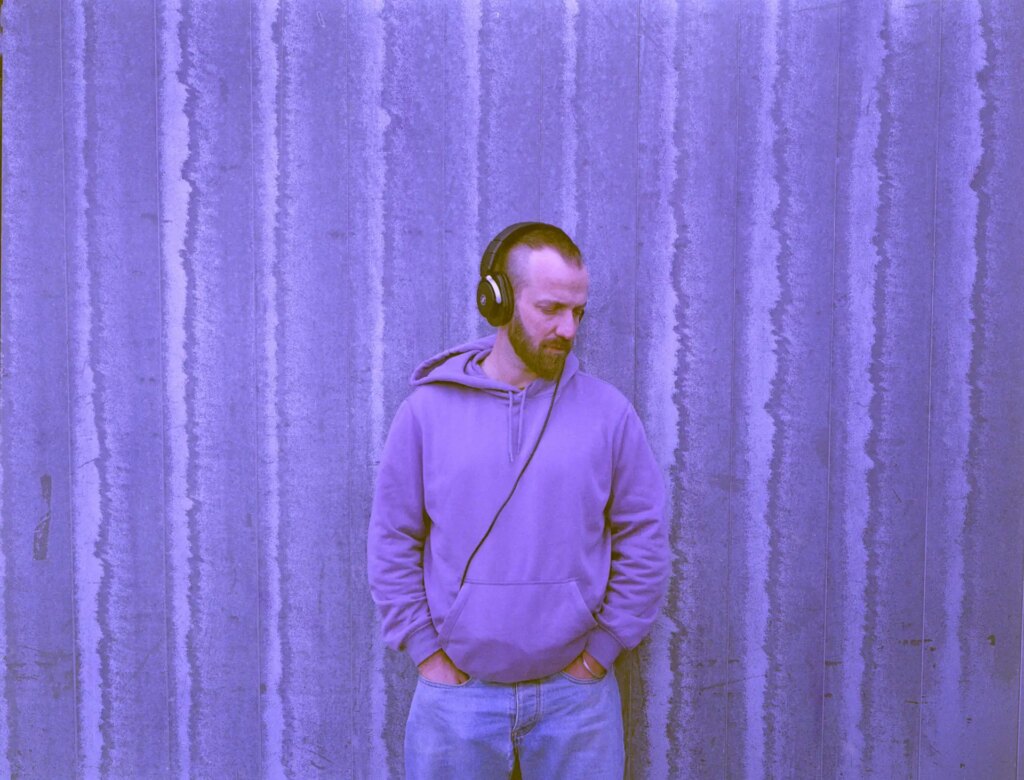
(517, 544)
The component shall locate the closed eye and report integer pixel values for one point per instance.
(578, 312)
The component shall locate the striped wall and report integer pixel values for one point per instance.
(230, 229)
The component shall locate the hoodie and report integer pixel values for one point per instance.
(578, 557)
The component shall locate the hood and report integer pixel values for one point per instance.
(461, 365)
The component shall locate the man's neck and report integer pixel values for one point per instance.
(504, 365)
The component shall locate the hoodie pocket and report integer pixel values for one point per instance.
(507, 632)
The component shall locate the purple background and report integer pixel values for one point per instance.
(230, 230)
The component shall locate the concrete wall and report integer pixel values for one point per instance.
(230, 229)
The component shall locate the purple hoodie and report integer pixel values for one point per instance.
(577, 559)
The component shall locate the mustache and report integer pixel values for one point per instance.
(563, 344)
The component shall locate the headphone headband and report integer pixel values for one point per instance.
(506, 237)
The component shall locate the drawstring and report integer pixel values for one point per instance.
(522, 414)
(509, 436)
(513, 448)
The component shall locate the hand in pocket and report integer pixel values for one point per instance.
(439, 668)
(579, 670)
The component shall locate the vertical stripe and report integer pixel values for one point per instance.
(735, 556)
(996, 493)
(981, 185)
(221, 654)
(87, 447)
(857, 256)
(758, 427)
(176, 203)
(121, 191)
(874, 591)
(37, 628)
(471, 221)
(958, 156)
(657, 171)
(10, 164)
(568, 215)
(322, 297)
(286, 412)
(371, 165)
(703, 114)
(513, 121)
(898, 406)
(607, 48)
(780, 313)
(266, 226)
(837, 242)
(376, 174)
(862, 268)
(37, 714)
(804, 113)
(461, 169)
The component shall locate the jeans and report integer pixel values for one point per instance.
(556, 727)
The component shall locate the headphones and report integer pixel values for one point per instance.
(494, 293)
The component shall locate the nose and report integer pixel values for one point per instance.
(566, 326)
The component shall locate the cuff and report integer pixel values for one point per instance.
(422, 643)
(604, 647)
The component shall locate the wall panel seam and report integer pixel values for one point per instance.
(831, 385)
(67, 331)
(168, 642)
(928, 415)
(258, 406)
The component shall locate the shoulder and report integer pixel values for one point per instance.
(600, 395)
(423, 397)
(435, 404)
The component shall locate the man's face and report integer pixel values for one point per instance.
(549, 305)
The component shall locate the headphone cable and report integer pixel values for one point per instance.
(522, 471)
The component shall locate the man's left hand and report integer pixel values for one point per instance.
(579, 671)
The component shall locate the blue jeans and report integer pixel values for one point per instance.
(557, 727)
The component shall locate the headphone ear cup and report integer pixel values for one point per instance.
(487, 299)
(494, 299)
(507, 300)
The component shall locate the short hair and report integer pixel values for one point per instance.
(539, 236)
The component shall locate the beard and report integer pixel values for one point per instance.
(546, 358)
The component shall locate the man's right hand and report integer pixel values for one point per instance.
(440, 669)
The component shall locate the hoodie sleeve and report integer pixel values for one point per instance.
(398, 528)
(640, 554)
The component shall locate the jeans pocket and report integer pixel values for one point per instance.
(580, 681)
(435, 684)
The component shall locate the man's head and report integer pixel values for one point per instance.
(537, 235)
(550, 287)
